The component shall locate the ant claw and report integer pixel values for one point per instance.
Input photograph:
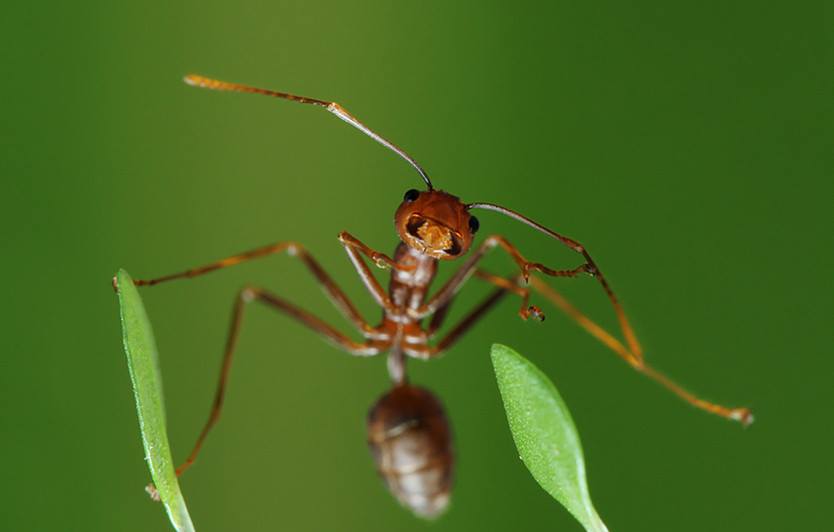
(115, 284)
(152, 491)
(536, 312)
(533, 311)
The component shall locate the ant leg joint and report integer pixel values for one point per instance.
(525, 272)
(248, 294)
(380, 261)
(590, 269)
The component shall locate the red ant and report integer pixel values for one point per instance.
(408, 431)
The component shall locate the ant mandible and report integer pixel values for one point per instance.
(407, 427)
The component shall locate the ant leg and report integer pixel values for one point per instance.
(293, 249)
(511, 284)
(525, 311)
(354, 246)
(454, 284)
(505, 285)
(438, 319)
(462, 275)
(742, 415)
(245, 296)
(465, 324)
(588, 267)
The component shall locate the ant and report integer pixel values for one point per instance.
(409, 435)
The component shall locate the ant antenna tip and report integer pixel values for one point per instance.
(193, 79)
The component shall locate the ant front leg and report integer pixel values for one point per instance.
(353, 246)
(512, 285)
(589, 267)
(248, 295)
(448, 291)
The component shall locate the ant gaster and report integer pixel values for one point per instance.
(408, 432)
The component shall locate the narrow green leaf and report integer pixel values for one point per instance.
(544, 434)
(141, 351)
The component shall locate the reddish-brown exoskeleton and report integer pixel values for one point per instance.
(408, 431)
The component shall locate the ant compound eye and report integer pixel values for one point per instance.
(411, 195)
(474, 224)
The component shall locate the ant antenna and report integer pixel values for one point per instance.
(207, 83)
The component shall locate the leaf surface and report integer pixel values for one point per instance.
(544, 434)
(142, 361)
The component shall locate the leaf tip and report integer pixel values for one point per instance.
(544, 433)
(499, 350)
(120, 278)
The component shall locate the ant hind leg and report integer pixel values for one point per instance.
(244, 297)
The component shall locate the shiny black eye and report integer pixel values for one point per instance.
(411, 195)
(474, 224)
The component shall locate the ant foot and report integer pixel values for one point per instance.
(152, 491)
(742, 415)
(115, 282)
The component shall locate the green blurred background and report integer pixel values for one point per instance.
(688, 145)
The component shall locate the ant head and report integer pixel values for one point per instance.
(435, 223)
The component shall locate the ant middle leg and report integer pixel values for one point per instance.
(463, 326)
(293, 249)
(505, 286)
(509, 284)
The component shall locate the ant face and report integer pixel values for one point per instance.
(435, 223)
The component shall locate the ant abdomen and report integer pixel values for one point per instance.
(411, 443)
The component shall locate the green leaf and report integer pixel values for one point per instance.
(141, 351)
(544, 434)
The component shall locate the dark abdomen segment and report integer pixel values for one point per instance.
(410, 439)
